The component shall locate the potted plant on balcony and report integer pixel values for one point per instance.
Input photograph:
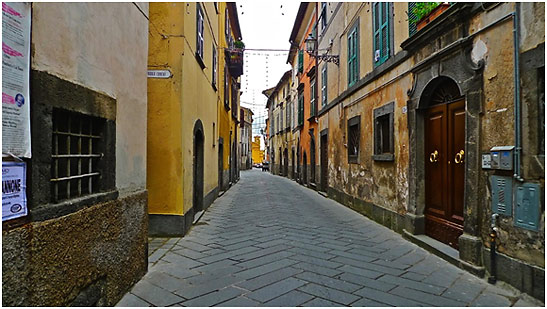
(235, 58)
(425, 12)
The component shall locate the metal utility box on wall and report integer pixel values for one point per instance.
(502, 195)
(527, 207)
(502, 157)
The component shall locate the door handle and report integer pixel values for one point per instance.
(434, 156)
(459, 157)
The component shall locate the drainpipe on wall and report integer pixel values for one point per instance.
(516, 56)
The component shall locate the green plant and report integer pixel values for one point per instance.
(421, 9)
(239, 44)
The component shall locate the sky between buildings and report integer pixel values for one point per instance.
(264, 25)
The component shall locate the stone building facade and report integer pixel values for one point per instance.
(416, 116)
(246, 128)
(84, 242)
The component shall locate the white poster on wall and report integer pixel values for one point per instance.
(16, 19)
(14, 190)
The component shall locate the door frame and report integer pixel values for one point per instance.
(324, 162)
(458, 66)
(198, 177)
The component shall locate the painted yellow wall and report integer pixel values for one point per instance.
(176, 104)
(257, 154)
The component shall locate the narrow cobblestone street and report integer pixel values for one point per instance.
(271, 242)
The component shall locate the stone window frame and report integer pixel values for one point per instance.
(386, 110)
(354, 123)
(214, 69)
(52, 93)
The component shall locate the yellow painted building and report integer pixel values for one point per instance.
(185, 120)
(257, 153)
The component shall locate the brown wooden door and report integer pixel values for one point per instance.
(444, 171)
(324, 163)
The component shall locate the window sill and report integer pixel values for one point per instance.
(200, 61)
(312, 118)
(385, 157)
(66, 207)
(353, 159)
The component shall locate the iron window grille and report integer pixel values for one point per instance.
(354, 135)
(77, 152)
(383, 133)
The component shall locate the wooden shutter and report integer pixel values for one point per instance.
(300, 61)
(382, 40)
(411, 19)
(353, 55)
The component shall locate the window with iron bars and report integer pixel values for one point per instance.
(77, 155)
(354, 135)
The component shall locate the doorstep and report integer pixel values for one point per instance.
(443, 251)
(323, 193)
(198, 216)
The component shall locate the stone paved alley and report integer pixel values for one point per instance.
(271, 242)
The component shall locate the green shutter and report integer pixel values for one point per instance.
(353, 55)
(300, 61)
(380, 13)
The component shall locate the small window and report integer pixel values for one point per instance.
(313, 94)
(383, 133)
(77, 155)
(226, 89)
(324, 86)
(353, 54)
(300, 61)
(323, 16)
(381, 31)
(354, 135)
(199, 32)
(227, 31)
(214, 69)
(300, 108)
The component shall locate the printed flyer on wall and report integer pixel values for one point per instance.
(16, 19)
(14, 187)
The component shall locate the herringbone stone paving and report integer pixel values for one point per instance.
(271, 242)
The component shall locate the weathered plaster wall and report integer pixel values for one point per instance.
(80, 51)
(498, 122)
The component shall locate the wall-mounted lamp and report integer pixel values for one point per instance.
(311, 49)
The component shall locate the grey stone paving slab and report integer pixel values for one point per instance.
(328, 293)
(356, 257)
(423, 297)
(265, 259)
(316, 254)
(491, 300)
(154, 257)
(365, 302)
(264, 269)
(317, 269)
(214, 298)
(130, 300)
(173, 270)
(269, 278)
(165, 281)
(259, 253)
(274, 290)
(337, 246)
(413, 276)
(320, 302)
(429, 288)
(366, 282)
(227, 254)
(240, 301)
(216, 266)
(360, 271)
(155, 295)
(292, 299)
(328, 282)
(196, 255)
(387, 298)
(315, 261)
(193, 291)
(180, 260)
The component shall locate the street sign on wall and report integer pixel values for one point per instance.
(159, 73)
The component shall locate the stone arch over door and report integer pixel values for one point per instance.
(198, 168)
(454, 64)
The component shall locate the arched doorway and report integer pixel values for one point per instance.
(198, 167)
(286, 162)
(305, 169)
(444, 150)
(292, 165)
